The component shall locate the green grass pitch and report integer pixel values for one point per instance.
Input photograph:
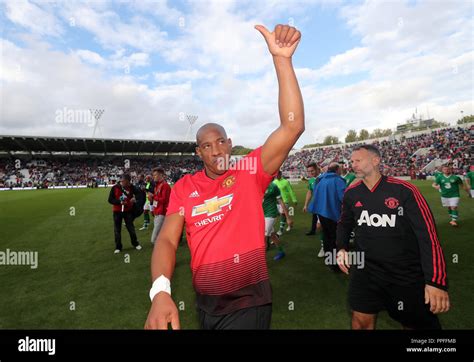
(76, 264)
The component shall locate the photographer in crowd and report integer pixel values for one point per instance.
(122, 197)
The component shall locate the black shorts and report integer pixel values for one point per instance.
(248, 318)
(405, 304)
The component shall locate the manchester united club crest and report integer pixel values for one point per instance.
(229, 181)
(391, 202)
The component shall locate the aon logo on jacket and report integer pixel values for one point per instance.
(377, 220)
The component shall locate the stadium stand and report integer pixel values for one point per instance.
(58, 162)
(52, 162)
(416, 155)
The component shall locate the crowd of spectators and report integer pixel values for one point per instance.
(400, 157)
(61, 171)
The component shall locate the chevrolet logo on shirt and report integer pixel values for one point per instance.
(212, 206)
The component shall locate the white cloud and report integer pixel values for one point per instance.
(216, 38)
(33, 17)
(416, 55)
(180, 75)
(116, 61)
(62, 80)
(412, 55)
(90, 57)
(139, 59)
(354, 60)
(160, 10)
(111, 31)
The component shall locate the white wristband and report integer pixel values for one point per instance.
(161, 284)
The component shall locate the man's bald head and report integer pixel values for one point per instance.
(213, 148)
(334, 167)
(209, 127)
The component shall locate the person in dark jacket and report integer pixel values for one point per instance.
(140, 196)
(122, 196)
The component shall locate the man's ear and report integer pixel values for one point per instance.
(229, 141)
(198, 152)
(377, 161)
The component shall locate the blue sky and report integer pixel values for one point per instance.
(360, 64)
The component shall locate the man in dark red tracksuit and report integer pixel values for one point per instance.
(122, 198)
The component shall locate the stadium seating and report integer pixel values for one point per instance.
(401, 156)
(82, 171)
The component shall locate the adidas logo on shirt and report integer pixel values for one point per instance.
(194, 194)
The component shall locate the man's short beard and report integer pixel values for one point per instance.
(366, 174)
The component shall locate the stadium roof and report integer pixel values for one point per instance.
(53, 145)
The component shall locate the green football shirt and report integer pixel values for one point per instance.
(286, 190)
(449, 185)
(270, 200)
(349, 178)
(310, 183)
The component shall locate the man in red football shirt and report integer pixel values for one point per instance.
(221, 207)
(160, 200)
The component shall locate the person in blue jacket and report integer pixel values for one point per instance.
(326, 203)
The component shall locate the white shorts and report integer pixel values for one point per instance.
(269, 222)
(472, 194)
(450, 201)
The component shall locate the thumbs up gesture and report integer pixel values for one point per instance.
(282, 41)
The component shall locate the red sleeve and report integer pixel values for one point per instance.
(255, 167)
(113, 199)
(166, 196)
(175, 200)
